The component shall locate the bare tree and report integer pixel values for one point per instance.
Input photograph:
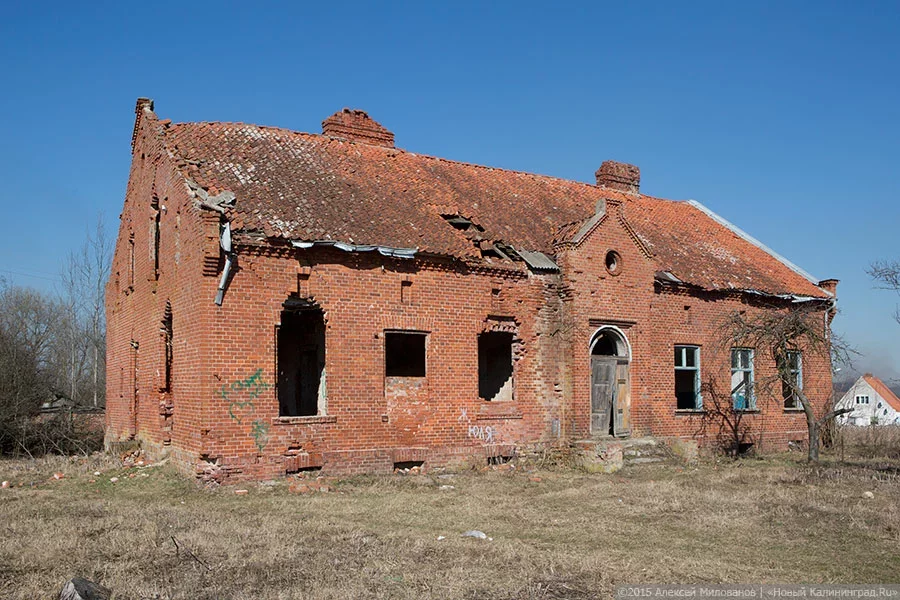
(84, 278)
(781, 330)
(26, 334)
(887, 274)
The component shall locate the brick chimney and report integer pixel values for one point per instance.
(619, 176)
(356, 125)
(829, 285)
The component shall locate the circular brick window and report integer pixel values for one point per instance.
(613, 262)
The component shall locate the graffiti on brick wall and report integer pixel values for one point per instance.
(482, 432)
(485, 433)
(259, 431)
(239, 404)
(241, 395)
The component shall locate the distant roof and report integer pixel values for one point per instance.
(310, 187)
(883, 390)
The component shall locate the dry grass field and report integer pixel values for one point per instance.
(556, 532)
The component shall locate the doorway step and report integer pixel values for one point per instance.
(609, 454)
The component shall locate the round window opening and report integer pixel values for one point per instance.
(613, 262)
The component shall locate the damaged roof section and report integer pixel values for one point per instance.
(369, 196)
(539, 262)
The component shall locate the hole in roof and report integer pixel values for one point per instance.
(462, 223)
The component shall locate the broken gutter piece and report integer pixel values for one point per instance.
(225, 242)
(383, 250)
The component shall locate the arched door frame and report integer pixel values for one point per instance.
(622, 339)
(610, 384)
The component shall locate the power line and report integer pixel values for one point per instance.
(29, 275)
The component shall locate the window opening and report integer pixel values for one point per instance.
(404, 354)
(742, 379)
(495, 366)
(167, 348)
(154, 237)
(791, 371)
(613, 262)
(687, 378)
(301, 363)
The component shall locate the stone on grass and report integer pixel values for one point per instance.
(474, 533)
(79, 588)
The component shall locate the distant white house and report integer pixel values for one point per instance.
(873, 403)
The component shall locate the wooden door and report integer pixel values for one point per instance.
(603, 388)
(622, 400)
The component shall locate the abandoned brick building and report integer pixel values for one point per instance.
(283, 301)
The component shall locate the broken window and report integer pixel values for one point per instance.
(301, 363)
(742, 379)
(166, 331)
(791, 370)
(687, 378)
(404, 354)
(495, 366)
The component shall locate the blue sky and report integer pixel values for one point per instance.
(783, 117)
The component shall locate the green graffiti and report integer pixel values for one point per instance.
(259, 431)
(240, 395)
(253, 386)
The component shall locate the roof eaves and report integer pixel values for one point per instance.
(752, 240)
(669, 278)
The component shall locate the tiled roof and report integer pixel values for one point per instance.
(883, 391)
(308, 187)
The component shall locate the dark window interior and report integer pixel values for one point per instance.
(301, 362)
(404, 354)
(605, 346)
(685, 389)
(167, 344)
(495, 365)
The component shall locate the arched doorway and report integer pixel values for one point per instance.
(610, 382)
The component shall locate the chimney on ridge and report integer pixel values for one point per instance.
(619, 176)
(829, 285)
(356, 125)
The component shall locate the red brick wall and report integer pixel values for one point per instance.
(136, 302)
(220, 417)
(663, 318)
(361, 298)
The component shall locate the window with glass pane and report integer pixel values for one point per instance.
(742, 379)
(792, 372)
(687, 378)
